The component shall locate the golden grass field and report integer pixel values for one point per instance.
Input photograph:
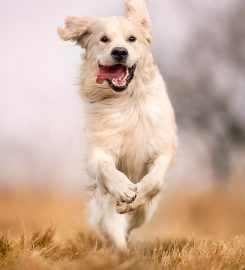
(191, 229)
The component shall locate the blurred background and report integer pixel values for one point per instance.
(199, 47)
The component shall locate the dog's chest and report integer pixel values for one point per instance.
(133, 133)
(142, 139)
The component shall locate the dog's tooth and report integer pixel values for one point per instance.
(126, 75)
(118, 82)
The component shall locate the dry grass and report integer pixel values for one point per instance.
(191, 230)
(85, 251)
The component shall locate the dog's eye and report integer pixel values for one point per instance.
(132, 39)
(104, 39)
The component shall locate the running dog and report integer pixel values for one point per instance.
(129, 121)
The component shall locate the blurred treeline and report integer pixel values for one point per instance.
(206, 82)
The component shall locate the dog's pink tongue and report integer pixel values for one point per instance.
(113, 72)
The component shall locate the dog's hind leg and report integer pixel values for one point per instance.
(115, 228)
(104, 218)
(141, 215)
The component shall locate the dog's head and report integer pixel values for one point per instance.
(115, 45)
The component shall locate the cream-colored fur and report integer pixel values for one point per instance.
(131, 135)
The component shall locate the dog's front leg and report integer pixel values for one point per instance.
(150, 185)
(101, 166)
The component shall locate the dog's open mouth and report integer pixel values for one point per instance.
(117, 76)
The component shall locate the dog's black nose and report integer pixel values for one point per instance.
(119, 54)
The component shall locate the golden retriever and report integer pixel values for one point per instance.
(130, 124)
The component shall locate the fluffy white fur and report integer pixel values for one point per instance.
(131, 135)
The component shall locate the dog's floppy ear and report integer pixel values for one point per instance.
(76, 29)
(137, 10)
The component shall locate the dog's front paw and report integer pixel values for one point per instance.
(123, 208)
(124, 191)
